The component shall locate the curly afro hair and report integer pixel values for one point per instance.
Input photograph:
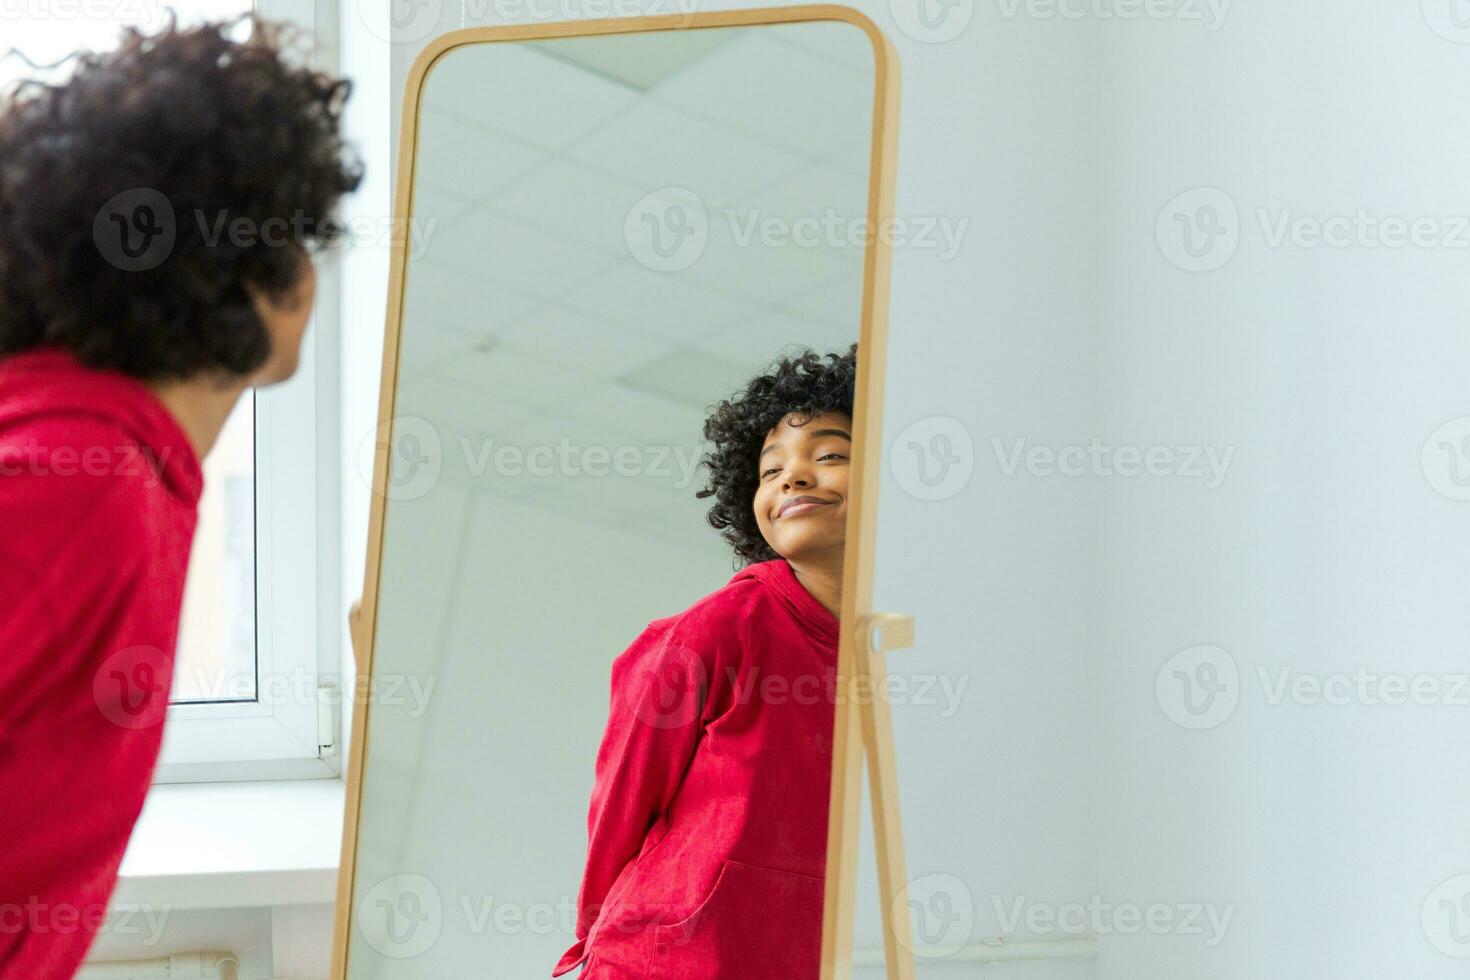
(806, 385)
(139, 197)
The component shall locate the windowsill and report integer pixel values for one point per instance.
(235, 845)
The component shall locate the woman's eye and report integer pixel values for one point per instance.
(832, 456)
(774, 469)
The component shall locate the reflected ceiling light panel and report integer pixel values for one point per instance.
(640, 60)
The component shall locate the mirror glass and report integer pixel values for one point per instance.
(610, 235)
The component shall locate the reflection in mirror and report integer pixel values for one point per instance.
(602, 729)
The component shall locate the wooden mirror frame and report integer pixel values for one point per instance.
(862, 719)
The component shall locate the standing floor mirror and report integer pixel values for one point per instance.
(618, 227)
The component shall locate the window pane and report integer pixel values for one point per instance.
(47, 37)
(216, 653)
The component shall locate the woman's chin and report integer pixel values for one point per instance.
(808, 548)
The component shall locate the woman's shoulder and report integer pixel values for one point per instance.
(733, 603)
(721, 617)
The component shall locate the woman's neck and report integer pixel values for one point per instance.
(823, 579)
(201, 406)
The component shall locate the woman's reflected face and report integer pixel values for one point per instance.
(801, 499)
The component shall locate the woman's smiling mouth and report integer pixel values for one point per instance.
(800, 505)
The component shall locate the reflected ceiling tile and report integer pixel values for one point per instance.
(837, 305)
(694, 377)
(428, 395)
(657, 146)
(770, 335)
(576, 202)
(595, 346)
(520, 92)
(652, 419)
(779, 92)
(845, 43)
(433, 206)
(666, 305)
(638, 60)
(820, 204)
(466, 159)
(736, 258)
(506, 250)
(517, 376)
(527, 460)
(472, 303)
(548, 428)
(427, 341)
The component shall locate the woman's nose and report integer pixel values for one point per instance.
(797, 478)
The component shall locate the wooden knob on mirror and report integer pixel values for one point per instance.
(354, 620)
(880, 632)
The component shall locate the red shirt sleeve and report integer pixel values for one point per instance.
(663, 694)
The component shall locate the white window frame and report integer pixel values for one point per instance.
(293, 729)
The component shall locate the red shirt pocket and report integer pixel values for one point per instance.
(756, 923)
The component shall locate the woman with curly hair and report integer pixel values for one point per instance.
(158, 211)
(707, 829)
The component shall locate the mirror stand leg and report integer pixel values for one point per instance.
(842, 840)
(877, 724)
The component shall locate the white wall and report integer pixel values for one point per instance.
(1323, 828)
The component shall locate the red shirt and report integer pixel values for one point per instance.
(707, 830)
(98, 495)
